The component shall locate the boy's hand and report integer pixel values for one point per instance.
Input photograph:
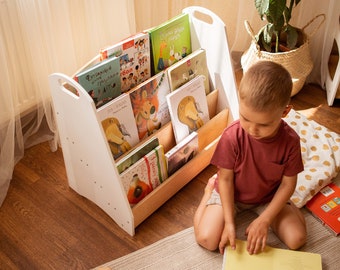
(228, 237)
(257, 233)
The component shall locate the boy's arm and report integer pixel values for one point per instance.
(226, 190)
(257, 231)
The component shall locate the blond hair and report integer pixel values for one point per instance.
(265, 86)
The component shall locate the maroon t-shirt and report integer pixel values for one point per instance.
(258, 165)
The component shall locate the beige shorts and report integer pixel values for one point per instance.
(215, 199)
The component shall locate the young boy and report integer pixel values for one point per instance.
(258, 158)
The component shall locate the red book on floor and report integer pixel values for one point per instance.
(325, 205)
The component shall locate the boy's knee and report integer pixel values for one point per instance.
(296, 241)
(206, 241)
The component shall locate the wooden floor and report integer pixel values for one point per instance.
(46, 225)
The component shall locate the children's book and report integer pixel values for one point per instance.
(325, 206)
(188, 108)
(134, 58)
(181, 153)
(170, 42)
(270, 258)
(145, 175)
(188, 68)
(117, 120)
(136, 153)
(149, 104)
(101, 81)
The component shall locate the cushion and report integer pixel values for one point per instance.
(320, 150)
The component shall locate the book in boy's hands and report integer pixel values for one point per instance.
(325, 206)
(101, 81)
(135, 154)
(170, 42)
(270, 258)
(188, 68)
(188, 108)
(149, 104)
(117, 120)
(134, 58)
(181, 153)
(145, 175)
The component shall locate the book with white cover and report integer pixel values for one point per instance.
(188, 108)
(119, 126)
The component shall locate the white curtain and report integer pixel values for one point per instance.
(40, 37)
(37, 38)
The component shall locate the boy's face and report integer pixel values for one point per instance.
(261, 125)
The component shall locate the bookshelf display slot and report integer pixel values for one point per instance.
(90, 167)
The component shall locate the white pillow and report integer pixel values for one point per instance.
(320, 150)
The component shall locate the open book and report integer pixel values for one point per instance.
(271, 258)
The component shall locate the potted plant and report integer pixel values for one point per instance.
(278, 28)
(279, 41)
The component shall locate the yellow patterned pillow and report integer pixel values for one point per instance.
(320, 150)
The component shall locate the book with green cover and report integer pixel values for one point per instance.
(136, 153)
(170, 42)
(101, 81)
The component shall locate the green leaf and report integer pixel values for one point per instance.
(276, 9)
(292, 37)
(268, 33)
(261, 7)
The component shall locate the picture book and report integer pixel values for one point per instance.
(188, 108)
(136, 153)
(149, 104)
(117, 120)
(188, 68)
(145, 175)
(181, 153)
(170, 42)
(270, 258)
(325, 206)
(134, 58)
(101, 81)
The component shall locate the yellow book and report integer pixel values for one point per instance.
(270, 258)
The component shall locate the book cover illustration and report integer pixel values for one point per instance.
(117, 120)
(145, 175)
(188, 68)
(325, 206)
(135, 154)
(270, 258)
(134, 59)
(170, 42)
(188, 108)
(101, 81)
(149, 104)
(181, 153)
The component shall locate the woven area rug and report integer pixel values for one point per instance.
(180, 251)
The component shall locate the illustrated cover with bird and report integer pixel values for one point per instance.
(118, 123)
(145, 175)
(101, 81)
(188, 108)
(170, 42)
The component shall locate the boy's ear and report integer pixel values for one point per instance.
(287, 110)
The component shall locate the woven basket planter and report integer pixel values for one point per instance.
(297, 61)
